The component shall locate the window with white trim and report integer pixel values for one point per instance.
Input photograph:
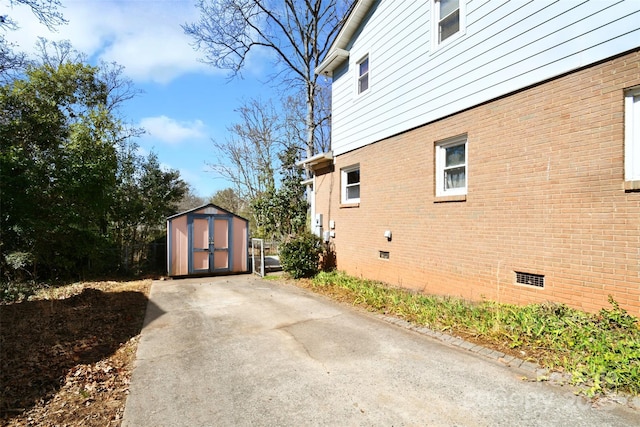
(350, 182)
(448, 20)
(451, 167)
(632, 135)
(363, 74)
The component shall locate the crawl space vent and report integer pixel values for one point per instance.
(530, 279)
(384, 255)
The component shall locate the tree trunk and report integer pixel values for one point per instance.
(310, 140)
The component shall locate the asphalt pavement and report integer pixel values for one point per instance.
(244, 351)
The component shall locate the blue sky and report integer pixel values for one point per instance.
(185, 103)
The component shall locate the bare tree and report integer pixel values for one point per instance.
(109, 76)
(247, 157)
(294, 120)
(323, 114)
(298, 34)
(10, 61)
(229, 200)
(45, 10)
(47, 13)
(119, 89)
(54, 54)
(190, 200)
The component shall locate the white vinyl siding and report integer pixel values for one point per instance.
(506, 46)
(632, 135)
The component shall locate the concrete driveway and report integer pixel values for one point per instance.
(242, 351)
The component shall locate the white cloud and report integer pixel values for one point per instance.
(169, 130)
(140, 151)
(144, 36)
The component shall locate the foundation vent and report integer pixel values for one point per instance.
(530, 279)
(384, 255)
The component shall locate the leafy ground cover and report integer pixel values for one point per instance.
(600, 351)
(66, 354)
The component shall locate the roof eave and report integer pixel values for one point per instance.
(338, 53)
(317, 161)
(333, 60)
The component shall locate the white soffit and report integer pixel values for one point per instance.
(316, 161)
(337, 53)
(331, 62)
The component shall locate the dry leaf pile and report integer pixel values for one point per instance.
(66, 355)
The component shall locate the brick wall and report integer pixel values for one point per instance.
(545, 196)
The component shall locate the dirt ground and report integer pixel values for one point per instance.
(66, 354)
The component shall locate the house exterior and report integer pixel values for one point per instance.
(486, 149)
(207, 240)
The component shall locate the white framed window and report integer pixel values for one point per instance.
(363, 75)
(350, 183)
(451, 166)
(632, 134)
(448, 18)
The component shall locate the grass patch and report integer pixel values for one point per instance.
(601, 351)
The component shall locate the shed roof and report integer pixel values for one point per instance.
(208, 205)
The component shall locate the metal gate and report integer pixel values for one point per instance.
(257, 256)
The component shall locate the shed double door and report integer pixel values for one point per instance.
(209, 237)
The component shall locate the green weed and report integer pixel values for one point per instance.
(601, 351)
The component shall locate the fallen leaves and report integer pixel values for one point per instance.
(66, 356)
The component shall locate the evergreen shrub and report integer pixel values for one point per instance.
(300, 255)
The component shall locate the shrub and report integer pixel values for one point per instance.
(16, 266)
(300, 255)
(601, 351)
(16, 291)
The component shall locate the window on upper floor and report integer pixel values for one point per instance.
(363, 74)
(632, 138)
(350, 183)
(448, 19)
(451, 166)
